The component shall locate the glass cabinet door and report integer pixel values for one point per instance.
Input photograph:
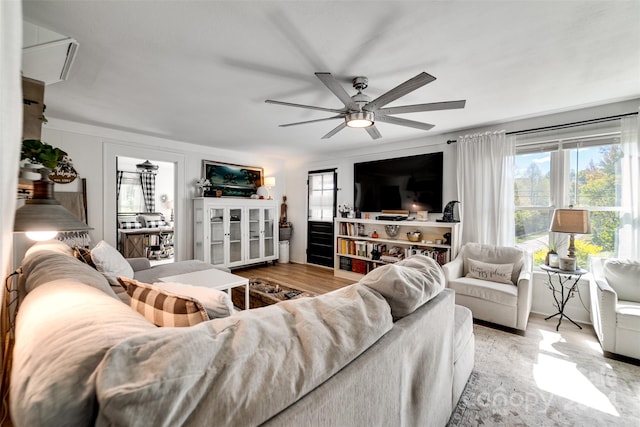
(269, 227)
(216, 236)
(254, 234)
(235, 235)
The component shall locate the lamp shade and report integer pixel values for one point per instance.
(571, 221)
(44, 213)
(270, 181)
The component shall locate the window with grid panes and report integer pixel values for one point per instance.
(575, 166)
(321, 191)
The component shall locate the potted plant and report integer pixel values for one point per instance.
(37, 152)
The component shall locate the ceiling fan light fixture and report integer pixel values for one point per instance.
(362, 119)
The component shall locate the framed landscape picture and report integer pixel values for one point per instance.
(232, 180)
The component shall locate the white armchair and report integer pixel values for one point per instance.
(615, 305)
(494, 282)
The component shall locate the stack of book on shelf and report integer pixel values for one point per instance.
(395, 254)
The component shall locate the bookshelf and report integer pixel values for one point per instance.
(356, 252)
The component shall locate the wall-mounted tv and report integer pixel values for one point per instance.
(412, 183)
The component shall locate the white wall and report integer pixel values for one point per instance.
(94, 149)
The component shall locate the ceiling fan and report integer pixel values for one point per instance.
(361, 112)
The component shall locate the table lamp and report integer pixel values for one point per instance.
(270, 182)
(571, 221)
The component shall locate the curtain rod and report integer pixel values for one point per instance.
(563, 126)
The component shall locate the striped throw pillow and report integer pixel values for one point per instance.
(162, 308)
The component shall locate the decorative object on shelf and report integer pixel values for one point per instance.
(392, 230)
(447, 238)
(449, 215)
(571, 221)
(414, 236)
(374, 234)
(553, 260)
(202, 185)
(232, 180)
(422, 215)
(345, 210)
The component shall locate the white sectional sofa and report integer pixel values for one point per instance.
(390, 350)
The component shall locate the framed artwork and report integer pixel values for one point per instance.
(232, 180)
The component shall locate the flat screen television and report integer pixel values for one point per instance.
(412, 183)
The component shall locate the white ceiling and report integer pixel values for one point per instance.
(199, 71)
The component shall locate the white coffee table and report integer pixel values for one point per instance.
(212, 278)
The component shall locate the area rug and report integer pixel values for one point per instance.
(546, 378)
(265, 291)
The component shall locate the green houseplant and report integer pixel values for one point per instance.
(38, 152)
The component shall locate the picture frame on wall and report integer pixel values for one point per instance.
(230, 180)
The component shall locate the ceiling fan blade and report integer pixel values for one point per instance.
(373, 132)
(308, 107)
(335, 130)
(433, 106)
(404, 122)
(336, 88)
(399, 91)
(311, 121)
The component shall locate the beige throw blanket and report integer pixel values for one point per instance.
(240, 370)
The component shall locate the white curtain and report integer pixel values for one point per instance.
(10, 125)
(485, 188)
(629, 246)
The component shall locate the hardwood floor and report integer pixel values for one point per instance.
(307, 277)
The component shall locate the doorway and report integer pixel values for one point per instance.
(145, 195)
(321, 200)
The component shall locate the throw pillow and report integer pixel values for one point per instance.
(217, 303)
(500, 273)
(163, 308)
(109, 261)
(407, 284)
(84, 255)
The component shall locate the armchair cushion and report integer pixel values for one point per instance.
(500, 293)
(628, 314)
(622, 276)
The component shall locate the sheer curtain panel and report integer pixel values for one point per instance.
(630, 222)
(485, 165)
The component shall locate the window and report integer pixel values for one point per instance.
(321, 195)
(573, 167)
(130, 198)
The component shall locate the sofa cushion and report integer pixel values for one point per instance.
(43, 266)
(463, 330)
(63, 330)
(628, 315)
(161, 307)
(216, 303)
(407, 284)
(495, 255)
(500, 293)
(500, 273)
(51, 246)
(109, 261)
(624, 277)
